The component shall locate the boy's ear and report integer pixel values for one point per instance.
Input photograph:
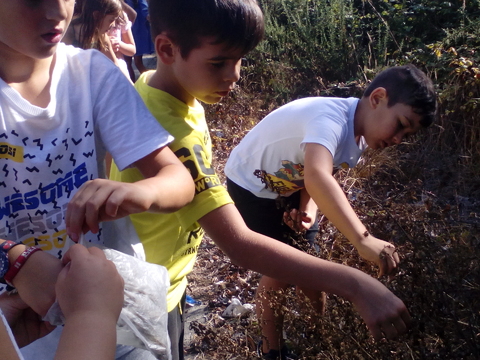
(377, 96)
(165, 49)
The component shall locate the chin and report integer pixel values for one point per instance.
(372, 146)
(210, 101)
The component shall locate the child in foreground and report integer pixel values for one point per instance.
(294, 150)
(62, 108)
(199, 45)
(89, 291)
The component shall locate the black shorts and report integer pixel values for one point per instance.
(265, 216)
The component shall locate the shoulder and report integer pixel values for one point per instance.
(334, 108)
(81, 57)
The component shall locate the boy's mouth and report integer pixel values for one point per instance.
(53, 37)
(223, 93)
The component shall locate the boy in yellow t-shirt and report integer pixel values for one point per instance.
(199, 46)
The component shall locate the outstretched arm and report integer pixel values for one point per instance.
(381, 310)
(166, 188)
(331, 200)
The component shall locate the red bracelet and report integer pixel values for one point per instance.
(15, 268)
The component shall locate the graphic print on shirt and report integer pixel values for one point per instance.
(39, 175)
(284, 181)
(200, 166)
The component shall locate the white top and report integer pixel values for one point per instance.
(269, 160)
(46, 154)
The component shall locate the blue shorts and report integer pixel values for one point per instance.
(265, 216)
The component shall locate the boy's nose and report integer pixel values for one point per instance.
(397, 139)
(58, 9)
(233, 73)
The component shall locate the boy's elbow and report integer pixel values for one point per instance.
(187, 188)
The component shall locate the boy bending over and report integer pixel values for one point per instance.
(294, 150)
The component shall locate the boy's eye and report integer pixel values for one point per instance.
(33, 3)
(218, 64)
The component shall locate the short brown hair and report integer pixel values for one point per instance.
(237, 23)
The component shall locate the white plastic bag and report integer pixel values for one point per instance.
(144, 318)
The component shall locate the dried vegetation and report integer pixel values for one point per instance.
(426, 203)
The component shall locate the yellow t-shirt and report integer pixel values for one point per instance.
(172, 240)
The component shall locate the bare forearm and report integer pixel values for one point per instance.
(98, 338)
(127, 49)
(171, 189)
(307, 204)
(333, 203)
(376, 304)
(270, 257)
(169, 181)
(36, 279)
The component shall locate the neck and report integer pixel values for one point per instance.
(162, 79)
(29, 76)
(359, 118)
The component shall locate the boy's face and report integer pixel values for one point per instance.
(33, 28)
(208, 73)
(387, 126)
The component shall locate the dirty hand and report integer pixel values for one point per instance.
(384, 314)
(299, 221)
(380, 252)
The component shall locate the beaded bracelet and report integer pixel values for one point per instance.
(15, 268)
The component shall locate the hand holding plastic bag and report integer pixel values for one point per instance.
(144, 317)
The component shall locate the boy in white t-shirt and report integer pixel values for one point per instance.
(61, 110)
(290, 155)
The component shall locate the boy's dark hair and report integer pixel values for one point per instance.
(237, 23)
(410, 86)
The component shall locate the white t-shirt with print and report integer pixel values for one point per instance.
(269, 160)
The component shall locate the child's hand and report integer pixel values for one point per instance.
(299, 221)
(89, 284)
(27, 326)
(382, 253)
(383, 312)
(115, 43)
(103, 200)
